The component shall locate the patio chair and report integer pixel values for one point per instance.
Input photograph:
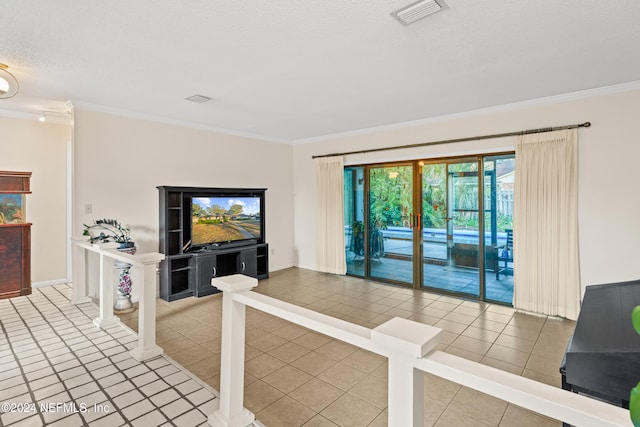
(505, 255)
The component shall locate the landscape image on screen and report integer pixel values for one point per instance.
(224, 219)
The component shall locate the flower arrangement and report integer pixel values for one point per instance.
(108, 230)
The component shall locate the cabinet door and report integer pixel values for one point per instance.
(11, 271)
(249, 262)
(205, 271)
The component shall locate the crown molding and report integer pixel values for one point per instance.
(548, 100)
(182, 123)
(52, 117)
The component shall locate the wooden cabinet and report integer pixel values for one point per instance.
(224, 262)
(206, 269)
(15, 235)
(183, 273)
(176, 276)
(249, 262)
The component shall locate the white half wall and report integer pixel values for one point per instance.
(27, 145)
(119, 161)
(609, 206)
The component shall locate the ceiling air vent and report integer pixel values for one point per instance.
(418, 10)
(198, 98)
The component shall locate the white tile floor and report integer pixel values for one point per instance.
(58, 369)
(52, 354)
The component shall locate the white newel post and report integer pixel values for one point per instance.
(106, 317)
(147, 347)
(79, 271)
(406, 341)
(231, 412)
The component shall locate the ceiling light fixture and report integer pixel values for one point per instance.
(8, 83)
(42, 117)
(418, 10)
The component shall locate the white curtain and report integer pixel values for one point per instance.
(330, 249)
(545, 236)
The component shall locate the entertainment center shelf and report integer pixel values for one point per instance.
(201, 240)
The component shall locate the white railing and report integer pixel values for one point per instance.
(144, 267)
(409, 347)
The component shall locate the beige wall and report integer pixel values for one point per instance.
(41, 148)
(119, 161)
(609, 205)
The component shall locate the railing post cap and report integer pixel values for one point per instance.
(234, 283)
(406, 336)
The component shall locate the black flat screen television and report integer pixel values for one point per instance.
(218, 220)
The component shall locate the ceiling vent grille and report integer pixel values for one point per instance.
(418, 10)
(199, 98)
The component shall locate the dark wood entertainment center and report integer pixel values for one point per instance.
(186, 272)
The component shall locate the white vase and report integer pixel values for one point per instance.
(123, 303)
(123, 300)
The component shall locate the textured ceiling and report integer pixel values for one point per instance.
(291, 70)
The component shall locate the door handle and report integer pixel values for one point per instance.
(214, 272)
(243, 265)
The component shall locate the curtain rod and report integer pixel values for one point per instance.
(448, 141)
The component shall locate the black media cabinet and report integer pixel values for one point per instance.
(183, 273)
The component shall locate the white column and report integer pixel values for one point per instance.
(79, 279)
(406, 341)
(406, 394)
(147, 348)
(106, 317)
(231, 412)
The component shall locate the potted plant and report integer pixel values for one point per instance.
(357, 237)
(110, 230)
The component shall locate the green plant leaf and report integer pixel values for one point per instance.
(634, 405)
(635, 318)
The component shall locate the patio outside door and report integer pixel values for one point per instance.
(444, 225)
(391, 223)
(451, 227)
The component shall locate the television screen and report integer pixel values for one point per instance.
(223, 219)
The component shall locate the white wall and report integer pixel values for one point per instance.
(41, 148)
(609, 152)
(119, 161)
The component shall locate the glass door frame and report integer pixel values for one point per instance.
(449, 227)
(367, 213)
(416, 220)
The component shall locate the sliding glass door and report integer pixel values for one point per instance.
(498, 221)
(451, 246)
(443, 225)
(390, 223)
(354, 219)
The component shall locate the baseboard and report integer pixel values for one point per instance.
(273, 269)
(48, 283)
(306, 267)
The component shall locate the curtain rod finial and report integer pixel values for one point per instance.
(587, 124)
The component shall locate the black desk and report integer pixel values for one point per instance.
(603, 356)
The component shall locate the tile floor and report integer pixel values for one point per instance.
(58, 369)
(296, 377)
